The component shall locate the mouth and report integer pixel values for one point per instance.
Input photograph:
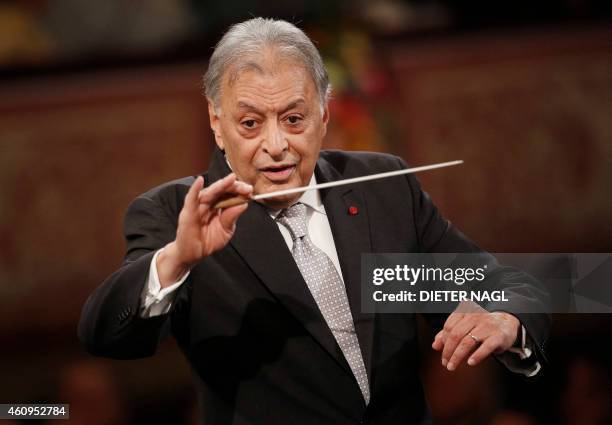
(278, 173)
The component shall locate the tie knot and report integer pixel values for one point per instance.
(294, 219)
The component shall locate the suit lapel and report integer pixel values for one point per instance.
(351, 234)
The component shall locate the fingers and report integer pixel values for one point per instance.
(438, 342)
(192, 195)
(488, 346)
(189, 212)
(492, 333)
(202, 229)
(214, 192)
(217, 191)
(450, 322)
(457, 342)
(243, 188)
(466, 346)
(503, 329)
(229, 216)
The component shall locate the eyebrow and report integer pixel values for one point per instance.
(249, 107)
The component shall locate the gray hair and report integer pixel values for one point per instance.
(249, 38)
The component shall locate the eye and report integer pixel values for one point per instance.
(250, 124)
(294, 119)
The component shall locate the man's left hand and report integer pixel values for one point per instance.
(477, 333)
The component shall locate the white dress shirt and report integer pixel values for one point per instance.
(156, 301)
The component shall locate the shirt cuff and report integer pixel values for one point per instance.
(156, 301)
(521, 364)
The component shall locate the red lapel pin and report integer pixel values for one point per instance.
(353, 210)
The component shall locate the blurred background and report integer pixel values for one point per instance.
(101, 100)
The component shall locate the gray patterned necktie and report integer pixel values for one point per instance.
(327, 290)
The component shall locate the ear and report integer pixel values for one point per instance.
(325, 120)
(215, 124)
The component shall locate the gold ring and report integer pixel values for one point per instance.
(474, 338)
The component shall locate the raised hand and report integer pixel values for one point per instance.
(201, 229)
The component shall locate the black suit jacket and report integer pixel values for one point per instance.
(259, 348)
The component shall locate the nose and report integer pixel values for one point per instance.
(275, 142)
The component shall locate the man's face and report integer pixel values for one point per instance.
(271, 127)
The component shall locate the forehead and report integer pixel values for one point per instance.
(267, 82)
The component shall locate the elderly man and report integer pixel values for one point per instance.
(264, 298)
